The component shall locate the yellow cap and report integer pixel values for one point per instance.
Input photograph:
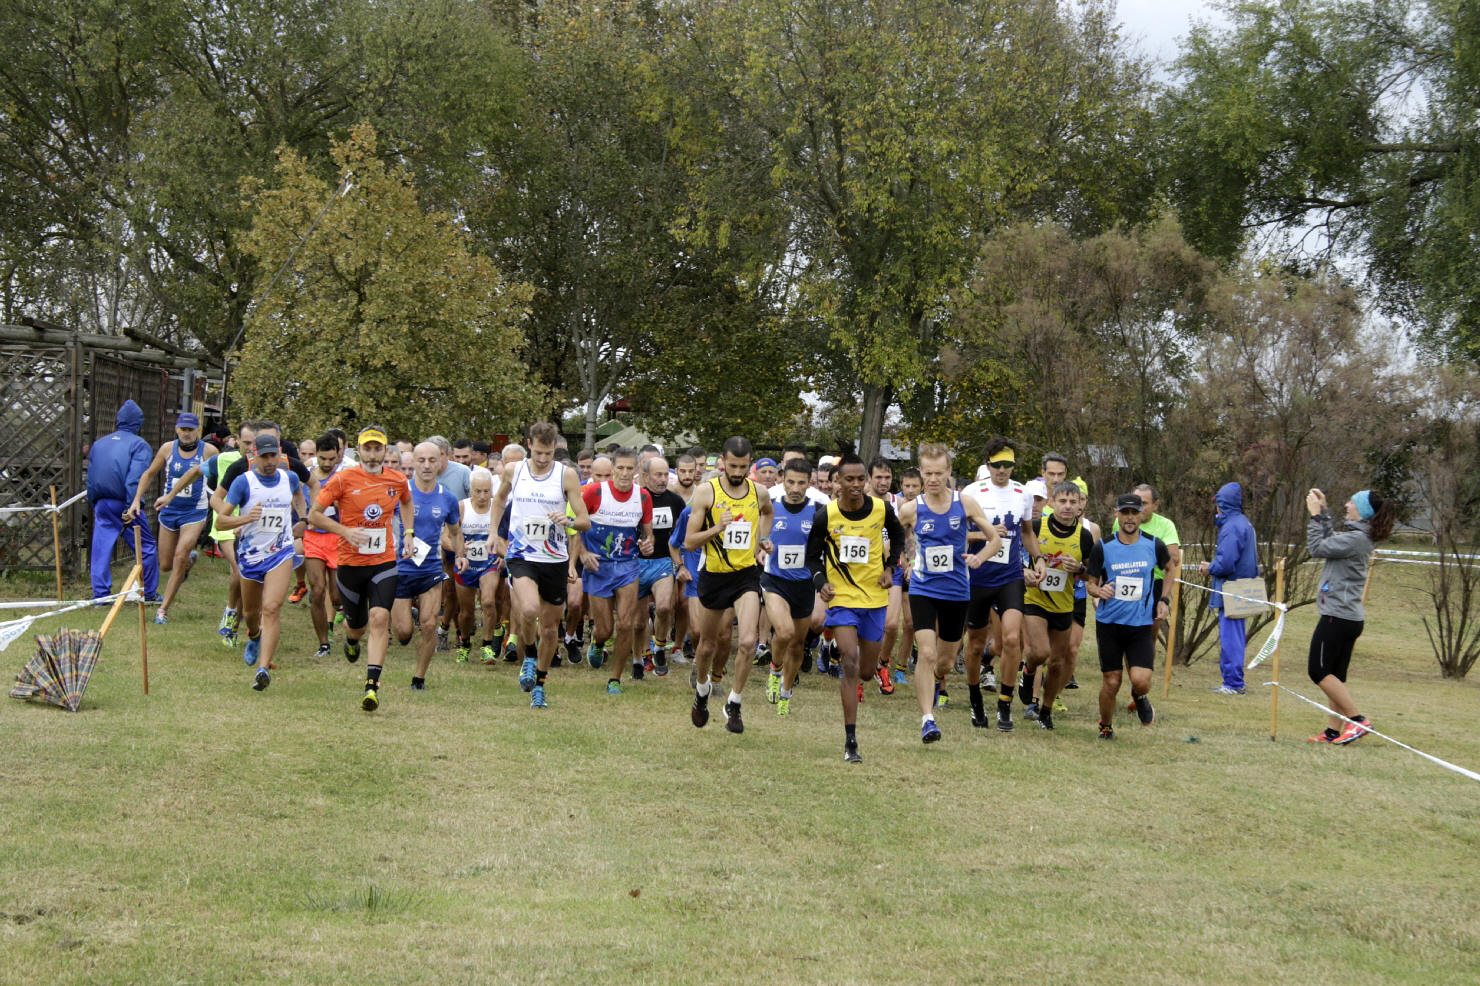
(371, 435)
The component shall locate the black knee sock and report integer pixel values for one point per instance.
(372, 676)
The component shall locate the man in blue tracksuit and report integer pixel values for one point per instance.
(1235, 556)
(114, 466)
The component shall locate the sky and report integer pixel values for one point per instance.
(1159, 24)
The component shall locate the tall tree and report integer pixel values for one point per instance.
(892, 133)
(1354, 117)
(384, 314)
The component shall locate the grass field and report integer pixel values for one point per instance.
(212, 834)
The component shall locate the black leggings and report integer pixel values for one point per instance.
(1331, 647)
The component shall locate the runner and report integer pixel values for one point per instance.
(1048, 608)
(321, 549)
(655, 564)
(183, 508)
(212, 470)
(853, 574)
(419, 578)
(583, 464)
(686, 580)
(731, 521)
(910, 486)
(621, 521)
(480, 579)
(940, 588)
(997, 587)
(881, 480)
(537, 493)
(786, 584)
(453, 476)
(363, 498)
(1121, 575)
(260, 502)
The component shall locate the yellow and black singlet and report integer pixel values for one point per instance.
(854, 556)
(1055, 594)
(734, 550)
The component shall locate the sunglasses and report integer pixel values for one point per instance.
(1001, 465)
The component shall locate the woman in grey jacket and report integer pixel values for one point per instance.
(1368, 521)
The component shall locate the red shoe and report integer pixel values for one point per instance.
(860, 691)
(299, 591)
(886, 684)
(1353, 730)
(1321, 737)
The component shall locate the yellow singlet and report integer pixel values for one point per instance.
(854, 554)
(1055, 548)
(734, 550)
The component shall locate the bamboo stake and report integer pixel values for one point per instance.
(1274, 693)
(56, 541)
(143, 621)
(1166, 671)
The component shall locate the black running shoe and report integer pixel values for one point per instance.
(573, 652)
(979, 718)
(1025, 686)
(1106, 733)
(1045, 718)
(1072, 684)
(850, 753)
(1144, 712)
(636, 670)
(1004, 716)
(699, 711)
(351, 651)
(732, 718)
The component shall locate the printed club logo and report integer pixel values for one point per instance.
(373, 512)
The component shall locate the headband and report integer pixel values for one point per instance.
(1008, 454)
(1363, 502)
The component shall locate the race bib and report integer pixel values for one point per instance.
(536, 528)
(374, 542)
(275, 521)
(331, 511)
(1129, 590)
(791, 556)
(419, 551)
(1004, 552)
(939, 559)
(853, 550)
(737, 536)
(663, 517)
(476, 551)
(1054, 580)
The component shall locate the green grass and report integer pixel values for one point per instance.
(211, 834)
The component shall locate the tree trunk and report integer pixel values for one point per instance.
(593, 407)
(876, 398)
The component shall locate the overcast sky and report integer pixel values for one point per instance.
(1159, 24)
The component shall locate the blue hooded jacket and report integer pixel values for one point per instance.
(118, 459)
(1236, 555)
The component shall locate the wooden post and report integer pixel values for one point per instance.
(143, 621)
(1274, 693)
(1371, 564)
(1166, 671)
(56, 541)
(134, 575)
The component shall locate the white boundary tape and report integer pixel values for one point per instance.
(1427, 756)
(10, 630)
(1270, 642)
(7, 511)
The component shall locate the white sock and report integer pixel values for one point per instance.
(703, 688)
(735, 697)
(927, 717)
(785, 693)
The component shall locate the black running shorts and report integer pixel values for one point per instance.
(947, 617)
(1331, 647)
(1057, 622)
(549, 577)
(363, 588)
(721, 590)
(799, 595)
(1124, 646)
(986, 598)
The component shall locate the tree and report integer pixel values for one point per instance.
(1355, 117)
(384, 313)
(891, 134)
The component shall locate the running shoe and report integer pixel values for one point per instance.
(299, 591)
(979, 718)
(1004, 716)
(323, 651)
(886, 683)
(989, 680)
(555, 660)
(806, 660)
(351, 651)
(942, 699)
(1025, 686)
(418, 686)
(1030, 711)
(1144, 712)
(1324, 736)
(614, 688)
(773, 686)
(573, 651)
(371, 701)
(1045, 719)
(338, 618)
(225, 627)
(250, 652)
(511, 651)
(442, 639)
(960, 666)
(929, 731)
(660, 661)
(1353, 731)
(537, 698)
(699, 711)
(647, 662)
(899, 676)
(637, 670)
(783, 706)
(462, 655)
(487, 654)
(261, 679)
(1072, 684)
(1225, 690)
(595, 655)
(1059, 706)
(527, 674)
(732, 718)
(762, 655)
(850, 753)
(160, 619)
(1106, 733)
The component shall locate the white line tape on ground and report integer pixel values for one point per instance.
(1427, 756)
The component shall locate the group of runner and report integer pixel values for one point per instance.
(730, 561)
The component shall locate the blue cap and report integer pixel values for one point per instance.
(762, 463)
(187, 420)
